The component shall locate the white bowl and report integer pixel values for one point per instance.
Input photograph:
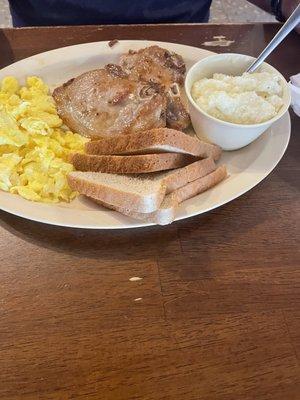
(229, 136)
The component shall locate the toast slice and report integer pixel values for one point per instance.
(163, 216)
(136, 194)
(166, 213)
(182, 176)
(200, 185)
(158, 140)
(135, 164)
(94, 184)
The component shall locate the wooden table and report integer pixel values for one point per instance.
(216, 315)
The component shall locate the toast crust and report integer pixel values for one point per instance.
(134, 164)
(167, 211)
(153, 141)
(200, 185)
(190, 173)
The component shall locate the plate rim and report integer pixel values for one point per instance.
(87, 44)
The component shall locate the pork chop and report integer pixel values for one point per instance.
(154, 64)
(160, 66)
(104, 102)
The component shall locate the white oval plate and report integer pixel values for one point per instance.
(246, 167)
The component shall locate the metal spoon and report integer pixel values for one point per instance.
(288, 26)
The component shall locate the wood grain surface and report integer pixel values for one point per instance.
(216, 315)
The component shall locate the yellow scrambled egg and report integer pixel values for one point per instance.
(35, 146)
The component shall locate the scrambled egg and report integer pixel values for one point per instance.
(35, 146)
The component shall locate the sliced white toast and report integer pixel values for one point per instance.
(163, 216)
(153, 141)
(139, 195)
(134, 164)
(182, 176)
(166, 212)
(121, 189)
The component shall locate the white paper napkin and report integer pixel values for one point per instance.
(295, 92)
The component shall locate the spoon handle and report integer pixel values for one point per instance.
(288, 26)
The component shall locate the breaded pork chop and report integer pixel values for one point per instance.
(104, 102)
